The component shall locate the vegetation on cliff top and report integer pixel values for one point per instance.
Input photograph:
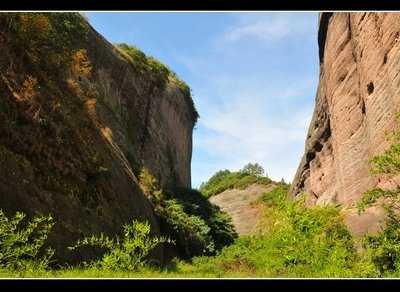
(225, 179)
(158, 72)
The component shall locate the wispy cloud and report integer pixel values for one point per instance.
(268, 27)
(253, 76)
(245, 131)
(256, 106)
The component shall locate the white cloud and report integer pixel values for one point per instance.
(260, 30)
(242, 131)
(268, 27)
(257, 113)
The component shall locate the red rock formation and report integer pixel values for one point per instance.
(357, 99)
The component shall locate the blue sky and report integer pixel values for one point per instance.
(253, 77)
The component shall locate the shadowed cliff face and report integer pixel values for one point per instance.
(357, 99)
(78, 120)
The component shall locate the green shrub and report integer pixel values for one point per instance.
(153, 68)
(130, 252)
(295, 242)
(197, 226)
(21, 243)
(253, 169)
(384, 248)
(225, 179)
(221, 230)
(191, 232)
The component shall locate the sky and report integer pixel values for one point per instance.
(253, 77)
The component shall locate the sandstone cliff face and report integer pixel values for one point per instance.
(78, 121)
(357, 99)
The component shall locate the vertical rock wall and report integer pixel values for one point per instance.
(356, 102)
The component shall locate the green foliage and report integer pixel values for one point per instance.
(384, 247)
(192, 232)
(128, 253)
(296, 242)
(253, 169)
(197, 226)
(225, 179)
(158, 73)
(21, 243)
(221, 230)
(277, 197)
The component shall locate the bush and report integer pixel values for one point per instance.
(153, 68)
(128, 253)
(221, 231)
(384, 248)
(191, 232)
(197, 226)
(21, 243)
(253, 169)
(295, 242)
(225, 179)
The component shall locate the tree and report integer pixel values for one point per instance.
(253, 169)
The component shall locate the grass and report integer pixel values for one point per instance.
(295, 242)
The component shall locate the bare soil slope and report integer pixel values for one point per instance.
(239, 204)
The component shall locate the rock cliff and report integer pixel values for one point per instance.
(79, 118)
(356, 102)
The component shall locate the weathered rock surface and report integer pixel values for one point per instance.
(77, 122)
(357, 99)
(239, 204)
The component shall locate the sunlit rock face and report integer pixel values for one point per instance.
(78, 120)
(356, 104)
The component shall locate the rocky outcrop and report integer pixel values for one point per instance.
(79, 118)
(357, 99)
